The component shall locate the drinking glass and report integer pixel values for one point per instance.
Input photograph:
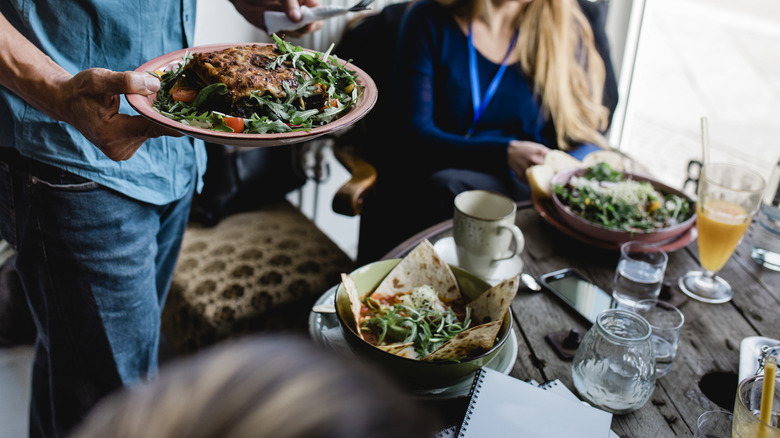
(713, 424)
(639, 273)
(614, 366)
(729, 196)
(666, 323)
(747, 406)
(766, 227)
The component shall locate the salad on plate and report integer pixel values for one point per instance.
(607, 198)
(257, 89)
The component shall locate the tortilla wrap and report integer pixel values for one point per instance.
(492, 305)
(466, 344)
(354, 302)
(395, 348)
(420, 267)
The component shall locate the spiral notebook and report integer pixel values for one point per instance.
(503, 406)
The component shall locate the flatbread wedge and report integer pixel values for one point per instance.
(395, 348)
(421, 266)
(493, 304)
(469, 343)
(354, 302)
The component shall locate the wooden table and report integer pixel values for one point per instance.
(711, 336)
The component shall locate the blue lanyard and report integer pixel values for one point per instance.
(479, 102)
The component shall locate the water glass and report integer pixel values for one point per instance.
(639, 274)
(614, 367)
(765, 234)
(747, 406)
(666, 323)
(713, 424)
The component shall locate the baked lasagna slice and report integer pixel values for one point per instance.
(247, 69)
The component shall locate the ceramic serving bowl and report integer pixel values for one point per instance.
(618, 237)
(409, 372)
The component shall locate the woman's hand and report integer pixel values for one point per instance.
(254, 12)
(90, 102)
(523, 154)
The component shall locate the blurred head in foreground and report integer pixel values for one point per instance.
(278, 386)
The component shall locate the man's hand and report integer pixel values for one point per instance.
(523, 154)
(91, 104)
(254, 12)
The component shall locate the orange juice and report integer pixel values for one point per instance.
(721, 224)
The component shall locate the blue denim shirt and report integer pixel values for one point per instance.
(118, 35)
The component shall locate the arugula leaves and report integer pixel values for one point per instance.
(274, 115)
(427, 328)
(603, 172)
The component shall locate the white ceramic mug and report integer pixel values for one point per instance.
(484, 229)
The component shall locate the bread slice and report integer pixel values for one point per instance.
(612, 158)
(560, 160)
(539, 177)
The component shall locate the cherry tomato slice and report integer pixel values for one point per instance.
(235, 123)
(184, 94)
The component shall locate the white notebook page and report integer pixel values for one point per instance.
(503, 406)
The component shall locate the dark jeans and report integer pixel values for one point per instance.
(95, 267)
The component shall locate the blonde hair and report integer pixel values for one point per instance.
(279, 386)
(557, 49)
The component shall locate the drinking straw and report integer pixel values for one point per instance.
(768, 390)
(705, 142)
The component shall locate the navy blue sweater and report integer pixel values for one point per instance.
(433, 103)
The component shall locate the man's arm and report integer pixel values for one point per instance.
(89, 100)
(254, 12)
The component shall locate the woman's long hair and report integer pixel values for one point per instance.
(557, 49)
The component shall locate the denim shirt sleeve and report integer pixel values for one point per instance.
(118, 35)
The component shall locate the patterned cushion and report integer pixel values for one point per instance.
(253, 271)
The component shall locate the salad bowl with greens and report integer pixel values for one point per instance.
(352, 89)
(423, 322)
(616, 207)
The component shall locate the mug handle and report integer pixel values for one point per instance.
(517, 236)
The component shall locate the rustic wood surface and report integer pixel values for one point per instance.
(709, 345)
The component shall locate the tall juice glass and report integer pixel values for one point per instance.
(729, 196)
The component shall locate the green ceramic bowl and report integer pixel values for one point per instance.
(410, 372)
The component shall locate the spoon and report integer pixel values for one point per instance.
(324, 308)
(530, 282)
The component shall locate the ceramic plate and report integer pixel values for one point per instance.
(324, 329)
(143, 104)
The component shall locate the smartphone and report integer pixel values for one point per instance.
(577, 292)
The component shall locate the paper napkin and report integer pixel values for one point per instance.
(276, 21)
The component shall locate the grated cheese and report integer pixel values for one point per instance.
(424, 297)
(627, 191)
